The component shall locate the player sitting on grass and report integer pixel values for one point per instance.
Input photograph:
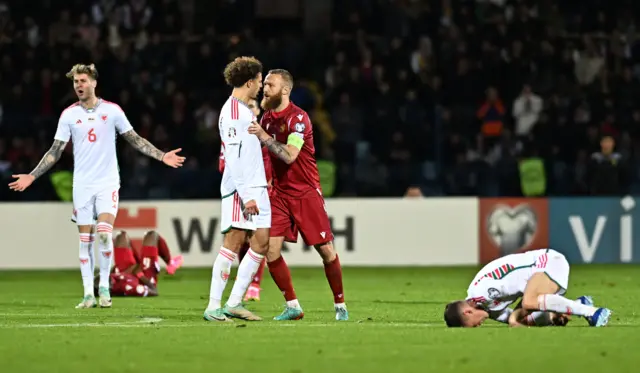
(136, 269)
(540, 277)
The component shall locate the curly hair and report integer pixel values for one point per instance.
(239, 71)
(83, 69)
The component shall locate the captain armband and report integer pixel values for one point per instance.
(296, 140)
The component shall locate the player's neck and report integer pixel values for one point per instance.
(241, 95)
(283, 105)
(89, 103)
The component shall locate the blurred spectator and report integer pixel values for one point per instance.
(526, 111)
(434, 95)
(607, 171)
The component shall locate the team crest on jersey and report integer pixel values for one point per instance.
(282, 127)
(232, 132)
(493, 293)
(299, 127)
(103, 117)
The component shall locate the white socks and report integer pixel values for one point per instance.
(105, 245)
(86, 263)
(558, 303)
(220, 276)
(247, 269)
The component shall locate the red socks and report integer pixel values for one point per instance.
(257, 278)
(163, 250)
(333, 271)
(282, 277)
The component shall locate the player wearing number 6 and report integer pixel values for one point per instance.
(92, 124)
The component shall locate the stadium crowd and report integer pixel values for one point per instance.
(484, 97)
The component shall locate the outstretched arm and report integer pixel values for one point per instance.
(49, 159)
(142, 145)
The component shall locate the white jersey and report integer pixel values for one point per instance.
(93, 133)
(502, 282)
(244, 168)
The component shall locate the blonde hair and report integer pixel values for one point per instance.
(83, 69)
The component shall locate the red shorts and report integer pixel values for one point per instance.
(306, 215)
(127, 285)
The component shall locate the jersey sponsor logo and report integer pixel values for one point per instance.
(91, 119)
(323, 234)
(299, 127)
(509, 226)
(300, 116)
(79, 121)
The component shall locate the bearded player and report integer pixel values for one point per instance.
(539, 277)
(297, 202)
(253, 292)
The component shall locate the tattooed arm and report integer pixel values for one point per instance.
(50, 158)
(142, 145)
(287, 152)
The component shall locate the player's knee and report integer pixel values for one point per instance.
(150, 238)
(234, 239)
(121, 239)
(326, 251)
(530, 302)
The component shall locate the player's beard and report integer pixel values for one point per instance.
(271, 102)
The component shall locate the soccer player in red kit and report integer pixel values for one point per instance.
(253, 292)
(296, 201)
(136, 268)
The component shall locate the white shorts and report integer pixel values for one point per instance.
(88, 203)
(554, 265)
(232, 215)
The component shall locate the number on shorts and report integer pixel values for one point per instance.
(92, 136)
(146, 263)
(114, 198)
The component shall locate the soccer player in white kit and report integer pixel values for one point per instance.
(92, 124)
(246, 210)
(539, 277)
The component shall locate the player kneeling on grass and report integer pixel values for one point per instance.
(245, 205)
(540, 277)
(136, 269)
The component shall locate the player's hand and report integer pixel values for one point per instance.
(23, 182)
(560, 319)
(251, 208)
(256, 129)
(172, 159)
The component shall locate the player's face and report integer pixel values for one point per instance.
(473, 317)
(84, 86)
(272, 92)
(256, 84)
(253, 105)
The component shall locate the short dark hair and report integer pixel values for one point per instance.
(452, 314)
(286, 76)
(239, 71)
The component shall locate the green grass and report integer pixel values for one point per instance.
(396, 326)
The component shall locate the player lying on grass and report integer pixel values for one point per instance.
(253, 292)
(539, 277)
(136, 269)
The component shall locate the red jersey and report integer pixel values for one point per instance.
(298, 179)
(265, 158)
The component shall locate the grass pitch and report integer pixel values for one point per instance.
(396, 326)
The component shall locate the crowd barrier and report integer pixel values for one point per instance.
(368, 232)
